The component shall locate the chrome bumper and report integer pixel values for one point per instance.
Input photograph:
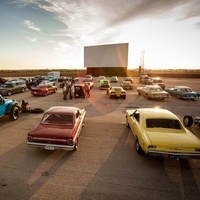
(174, 155)
(50, 146)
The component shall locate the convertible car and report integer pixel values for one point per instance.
(159, 132)
(182, 92)
(43, 90)
(152, 92)
(114, 92)
(59, 128)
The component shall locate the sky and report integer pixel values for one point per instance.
(51, 34)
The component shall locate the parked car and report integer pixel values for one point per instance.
(144, 78)
(152, 92)
(128, 79)
(50, 78)
(79, 90)
(182, 92)
(101, 79)
(2, 80)
(116, 92)
(114, 79)
(62, 78)
(104, 85)
(88, 78)
(11, 87)
(59, 129)
(9, 107)
(159, 132)
(47, 82)
(126, 85)
(43, 90)
(189, 120)
(157, 81)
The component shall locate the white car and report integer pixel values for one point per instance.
(47, 83)
(88, 78)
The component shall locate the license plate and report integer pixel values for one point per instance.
(175, 156)
(49, 148)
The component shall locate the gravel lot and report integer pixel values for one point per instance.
(106, 165)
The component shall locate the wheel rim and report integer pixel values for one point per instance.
(186, 120)
(15, 113)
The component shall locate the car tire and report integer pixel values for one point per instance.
(124, 97)
(188, 120)
(37, 110)
(139, 93)
(127, 124)
(178, 97)
(45, 94)
(138, 148)
(23, 90)
(14, 114)
(9, 93)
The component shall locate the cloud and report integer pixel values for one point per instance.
(31, 39)
(31, 25)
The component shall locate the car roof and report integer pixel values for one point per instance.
(62, 109)
(156, 113)
(181, 87)
(152, 86)
(117, 87)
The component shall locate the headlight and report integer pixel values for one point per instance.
(29, 139)
(70, 142)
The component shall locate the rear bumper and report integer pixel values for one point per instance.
(50, 146)
(174, 155)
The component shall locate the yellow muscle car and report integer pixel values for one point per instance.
(159, 132)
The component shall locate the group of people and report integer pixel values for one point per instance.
(69, 89)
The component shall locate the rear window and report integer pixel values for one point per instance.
(57, 119)
(163, 123)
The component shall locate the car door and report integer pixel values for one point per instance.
(134, 122)
(15, 88)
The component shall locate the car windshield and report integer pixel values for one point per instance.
(117, 89)
(60, 119)
(163, 123)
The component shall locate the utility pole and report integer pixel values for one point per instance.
(142, 61)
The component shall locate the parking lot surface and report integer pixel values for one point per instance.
(106, 165)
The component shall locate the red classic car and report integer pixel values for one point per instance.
(43, 90)
(59, 128)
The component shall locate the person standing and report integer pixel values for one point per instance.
(87, 89)
(72, 91)
(64, 91)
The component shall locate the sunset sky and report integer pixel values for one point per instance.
(41, 34)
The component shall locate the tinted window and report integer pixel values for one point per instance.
(163, 123)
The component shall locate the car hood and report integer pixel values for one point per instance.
(52, 131)
(179, 138)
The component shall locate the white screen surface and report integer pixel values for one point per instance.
(113, 55)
